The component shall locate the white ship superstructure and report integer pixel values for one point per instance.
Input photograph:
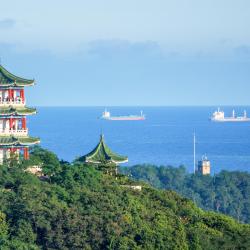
(106, 115)
(219, 116)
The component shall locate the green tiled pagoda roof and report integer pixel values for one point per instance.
(8, 79)
(18, 141)
(102, 154)
(10, 110)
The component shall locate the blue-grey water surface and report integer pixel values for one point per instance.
(164, 138)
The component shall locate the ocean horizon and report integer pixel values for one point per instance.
(164, 138)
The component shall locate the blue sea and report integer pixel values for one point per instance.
(164, 138)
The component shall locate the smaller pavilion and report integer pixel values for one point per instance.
(104, 158)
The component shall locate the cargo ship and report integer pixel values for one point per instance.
(219, 116)
(106, 115)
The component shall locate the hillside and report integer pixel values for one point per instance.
(225, 192)
(79, 207)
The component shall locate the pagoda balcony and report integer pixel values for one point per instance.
(16, 132)
(13, 102)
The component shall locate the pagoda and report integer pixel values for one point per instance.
(103, 157)
(14, 138)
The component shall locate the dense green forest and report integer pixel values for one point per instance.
(225, 192)
(79, 207)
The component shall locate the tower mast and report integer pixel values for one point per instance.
(194, 152)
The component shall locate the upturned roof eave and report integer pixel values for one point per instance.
(16, 85)
(16, 114)
(14, 80)
(17, 111)
(102, 154)
(120, 162)
(90, 159)
(105, 162)
(19, 141)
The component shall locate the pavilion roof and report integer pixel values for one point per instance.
(8, 79)
(102, 154)
(18, 141)
(11, 110)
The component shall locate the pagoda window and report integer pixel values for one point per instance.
(1, 124)
(19, 124)
(5, 124)
(8, 124)
(2, 95)
(18, 93)
(1, 155)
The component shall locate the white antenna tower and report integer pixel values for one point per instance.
(194, 152)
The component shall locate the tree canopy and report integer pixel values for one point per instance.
(225, 192)
(80, 207)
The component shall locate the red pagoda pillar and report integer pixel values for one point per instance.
(26, 153)
(11, 122)
(22, 95)
(24, 123)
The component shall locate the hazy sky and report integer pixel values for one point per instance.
(131, 52)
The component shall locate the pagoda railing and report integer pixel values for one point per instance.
(13, 102)
(18, 132)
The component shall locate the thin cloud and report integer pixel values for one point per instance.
(123, 47)
(242, 50)
(7, 23)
